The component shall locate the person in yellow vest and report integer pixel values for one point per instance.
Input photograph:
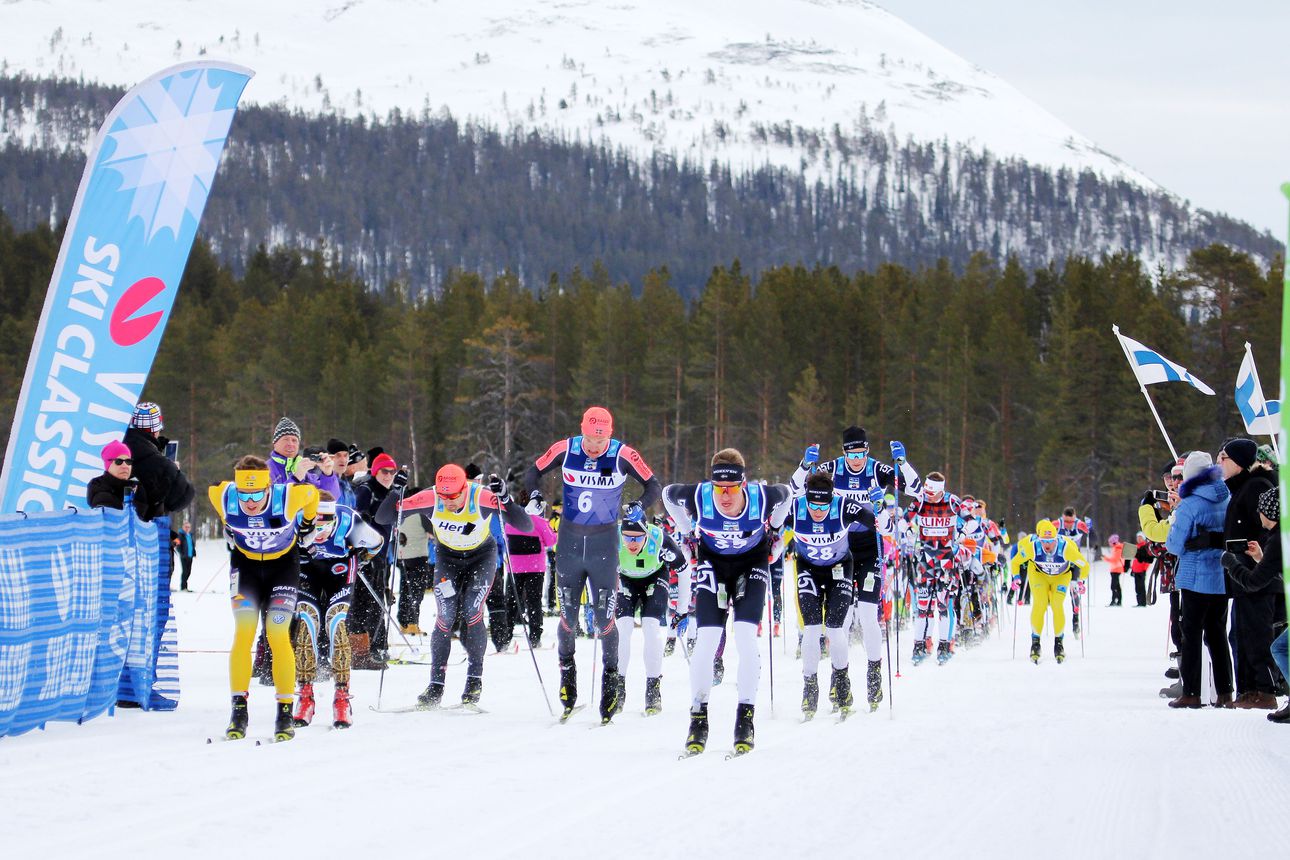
(263, 525)
(1054, 563)
(464, 521)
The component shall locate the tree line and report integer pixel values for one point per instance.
(1008, 380)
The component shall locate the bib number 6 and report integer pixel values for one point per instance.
(584, 501)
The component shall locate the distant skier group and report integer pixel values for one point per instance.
(704, 567)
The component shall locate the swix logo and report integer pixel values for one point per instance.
(124, 327)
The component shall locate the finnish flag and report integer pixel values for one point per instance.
(1151, 367)
(1261, 417)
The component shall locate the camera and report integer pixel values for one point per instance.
(1237, 547)
(1161, 495)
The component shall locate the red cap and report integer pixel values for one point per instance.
(383, 461)
(449, 480)
(597, 422)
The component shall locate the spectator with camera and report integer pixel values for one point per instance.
(163, 484)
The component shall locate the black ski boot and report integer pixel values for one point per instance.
(920, 651)
(653, 696)
(669, 648)
(873, 684)
(610, 695)
(1034, 649)
(237, 722)
(943, 653)
(841, 684)
(810, 696)
(430, 699)
(1059, 651)
(697, 740)
(470, 696)
(568, 687)
(743, 729)
(284, 727)
(833, 690)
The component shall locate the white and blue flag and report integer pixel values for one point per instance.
(1262, 417)
(1151, 367)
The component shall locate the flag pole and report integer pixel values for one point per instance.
(1284, 480)
(1143, 389)
(1254, 371)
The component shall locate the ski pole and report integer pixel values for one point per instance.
(891, 690)
(510, 574)
(385, 610)
(1016, 604)
(770, 642)
(595, 645)
(223, 568)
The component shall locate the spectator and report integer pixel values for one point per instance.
(1203, 499)
(527, 551)
(109, 489)
(1265, 576)
(1252, 613)
(289, 465)
(368, 626)
(416, 568)
(163, 484)
(1139, 566)
(340, 453)
(1116, 560)
(187, 552)
(1154, 517)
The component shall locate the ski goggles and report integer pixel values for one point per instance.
(857, 454)
(724, 490)
(819, 506)
(251, 495)
(633, 537)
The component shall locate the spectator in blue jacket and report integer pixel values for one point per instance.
(1196, 537)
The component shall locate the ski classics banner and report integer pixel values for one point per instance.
(131, 227)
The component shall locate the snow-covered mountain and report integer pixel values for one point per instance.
(734, 80)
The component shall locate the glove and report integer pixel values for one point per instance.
(812, 455)
(1016, 584)
(497, 487)
(679, 621)
(536, 496)
(898, 451)
(1081, 586)
(877, 497)
(1148, 499)
(304, 528)
(634, 513)
(403, 539)
(400, 480)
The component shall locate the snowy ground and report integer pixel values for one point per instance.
(985, 756)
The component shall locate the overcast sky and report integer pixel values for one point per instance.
(1194, 94)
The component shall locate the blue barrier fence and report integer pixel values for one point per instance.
(79, 614)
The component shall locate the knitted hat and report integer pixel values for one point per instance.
(1270, 504)
(1197, 462)
(854, 438)
(111, 451)
(630, 528)
(383, 461)
(597, 423)
(1241, 451)
(286, 427)
(335, 446)
(147, 416)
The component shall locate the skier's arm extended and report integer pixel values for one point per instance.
(636, 466)
(512, 513)
(779, 498)
(552, 459)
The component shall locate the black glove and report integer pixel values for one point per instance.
(304, 529)
(679, 619)
(403, 539)
(1231, 562)
(497, 487)
(400, 480)
(1149, 498)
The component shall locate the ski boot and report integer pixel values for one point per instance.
(653, 696)
(237, 722)
(568, 687)
(743, 729)
(873, 684)
(810, 696)
(920, 652)
(430, 699)
(670, 647)
(610, 695)
(1075, 624)
(304, 714)
(283, 728)
(1034, 649)
(470, 695)
(841, 685)
(342, 715)
(943, 653)
(833, 691)
(1059, 651)
(718, 671)
(697, 740)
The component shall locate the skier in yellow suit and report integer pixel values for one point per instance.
(1054, 563)
(263, 524)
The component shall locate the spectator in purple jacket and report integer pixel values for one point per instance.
(288, 465)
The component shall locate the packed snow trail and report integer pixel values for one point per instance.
(972, 751)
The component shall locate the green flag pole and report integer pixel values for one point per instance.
(1285, 386)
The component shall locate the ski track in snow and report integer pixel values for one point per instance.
(986, 756)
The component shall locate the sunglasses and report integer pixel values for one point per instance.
(253, 496)
(821, 506)
(856, 455)
(123, 461)
(386, 471)
(727, 489)
(630, 538)
(451, 497)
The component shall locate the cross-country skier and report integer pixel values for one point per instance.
(594, 468)
(934, 516)
(461, 516)
(263, 524)
(855, 473)
(971, 537)
(647, 559)
(1076, 529)
(732, 518)
(828, 575)
(1054, 562)
(328, 563)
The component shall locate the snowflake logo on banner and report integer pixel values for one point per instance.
(168, 144)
